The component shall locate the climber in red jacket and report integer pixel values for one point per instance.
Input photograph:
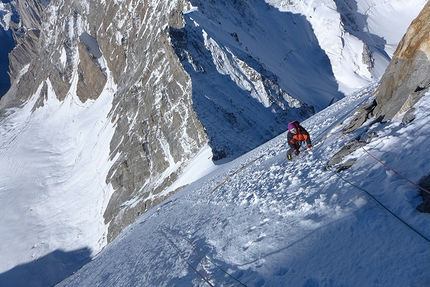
(296, 136)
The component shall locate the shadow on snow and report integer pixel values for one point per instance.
(47, 270)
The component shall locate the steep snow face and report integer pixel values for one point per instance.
(383, 19)
(264, 221)
(359, 37)
(54, 159)
(280, 46)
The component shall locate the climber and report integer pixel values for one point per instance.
(296, 136)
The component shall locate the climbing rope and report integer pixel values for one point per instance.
(390, 168)
(380, 203)
(194, 249)
(228, 274)
(185, 259)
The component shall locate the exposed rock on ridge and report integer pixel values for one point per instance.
(405, 81)
(406, 78)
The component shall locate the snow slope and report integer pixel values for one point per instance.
(264, 221)
(54, 160)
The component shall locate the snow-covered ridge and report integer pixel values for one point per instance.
(351, 31)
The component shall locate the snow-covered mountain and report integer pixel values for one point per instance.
(110, 100)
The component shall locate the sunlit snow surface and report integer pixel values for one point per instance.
(264, 221)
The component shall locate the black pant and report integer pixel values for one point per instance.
(296, 148)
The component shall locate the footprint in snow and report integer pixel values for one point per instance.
(251, 242)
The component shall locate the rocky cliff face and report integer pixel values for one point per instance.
(407, 77)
